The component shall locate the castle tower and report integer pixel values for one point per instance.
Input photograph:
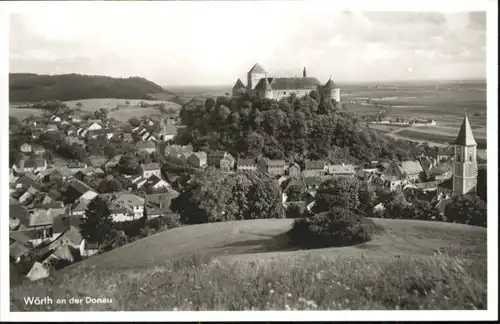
(254, 75)
(268, 89)
(331, 91)
(465, 165)
(238, 88)
(304, 73)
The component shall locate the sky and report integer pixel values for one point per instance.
(214, 43)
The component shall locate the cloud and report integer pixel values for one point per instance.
(215, 43)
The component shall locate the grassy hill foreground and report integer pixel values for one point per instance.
(249, 265)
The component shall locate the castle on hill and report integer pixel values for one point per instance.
(260, 85)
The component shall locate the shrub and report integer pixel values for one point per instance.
(338, 227)
(293, 211)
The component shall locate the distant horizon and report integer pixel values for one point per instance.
(230, 85)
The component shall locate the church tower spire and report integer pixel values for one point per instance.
(465, 165)
(304, 73)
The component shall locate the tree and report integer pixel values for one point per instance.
(295, 193)
(128, 164)
(134, 122)
(338, 192)
(466, 210)
(97, 225)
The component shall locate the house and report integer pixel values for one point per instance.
(26, 180)
(445, 188)
(80, 208)
(69, 237)
(33, 165)
(38, 271)
(294, 170)
(85, 174)
(197, 159)
(97, 161)
(150, 169)
(427, 186)
(25, 148)
(315, 168)
(127, 137)
(312, 183)
(246, 165)
(39, 223)
(51, 128)
(161, 201)
(182, 157)
(406, 170)
(156, 183)
(221, 159)
(169, 131)
(341, 170)
(113, 162)
(134, 202)
(394, 182)
(76, 166)
(28, 195)
(272, 167)
(62, 254)
(55, 119)
(176, 150)
(89, 249)
(25, 237)
(64, 173)
(121, 213)
(441, 172)
(17, 251)
(145, 136)
(93, 126)
(37, 149)
(16, 213)
(78, 190)
(146, 146)
(139, 181)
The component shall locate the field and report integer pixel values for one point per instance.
(124, 113)
(244, 265)
(21, 113)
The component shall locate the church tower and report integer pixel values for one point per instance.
(465, 165)
(304, 73)
(254, 75)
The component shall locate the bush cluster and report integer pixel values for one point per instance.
(337, 227)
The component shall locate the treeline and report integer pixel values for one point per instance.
(24, 87)
(293, 128)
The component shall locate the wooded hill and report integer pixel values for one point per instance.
(27, 87)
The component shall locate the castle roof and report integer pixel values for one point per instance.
(330, 84)
(287, 83)
(465, 136)
(257, 69)
(239, 85)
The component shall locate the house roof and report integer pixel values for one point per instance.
(274, 163)
(130, 200)
(330, 84)
(341, 169)
(80, 186)
(313, 181)
(63, 253)
(97, 161)
(16, 250)
(177, 149)
(239, 85)
(76, 165)
(150, 166)
(257, 69)
(81, 205)
(38, 271)
(410, 167)
(447, 184)
(34, 163)
(465, 135)
(245, 162)
(287, 83)
(145, 144)
(427, 185)
(62, 222)
(72, 234)
(64, 171)
(25, 181)
(314, 165)
(218, 154)
(22, 237)
(200, 155)
(441, 169)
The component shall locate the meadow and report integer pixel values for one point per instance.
(249, 265)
